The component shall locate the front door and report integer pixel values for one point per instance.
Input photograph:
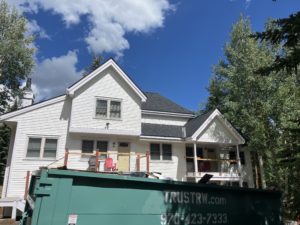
(123, 156)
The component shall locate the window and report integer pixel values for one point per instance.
(50, 148)
(41, 147)
(87, 146)
(115, 109)
(102, 146)
(101, 108)
(161, 151)
(109, 109)
(167, 152)
(34, 147)
(155, 151)
(232, 156)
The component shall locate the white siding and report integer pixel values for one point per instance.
(216, 132)
(49, 120)
(107, 85)
(167, 120)
(175, 168)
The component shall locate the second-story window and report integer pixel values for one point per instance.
(101, 108)
(115, 109)
(108, 109)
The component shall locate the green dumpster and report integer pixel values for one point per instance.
(66, 197)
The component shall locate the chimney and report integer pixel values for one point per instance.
(28, 96)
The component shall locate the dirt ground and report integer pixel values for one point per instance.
(8, 222)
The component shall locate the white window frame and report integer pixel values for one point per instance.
(161, 152)
(42, 147)
(108, 108)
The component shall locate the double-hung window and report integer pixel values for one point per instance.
(108, 108)
(41, 147)
(101, 108)
(34, 147)
(160, 151)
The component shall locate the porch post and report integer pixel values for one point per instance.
(238, 159)
(261, 170)
(195, 159)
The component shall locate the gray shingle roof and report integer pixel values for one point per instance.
(160, 130)
(193, 124)
(156, 102)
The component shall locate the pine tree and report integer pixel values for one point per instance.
(96, 62)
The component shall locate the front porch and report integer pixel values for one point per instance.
(223, 163)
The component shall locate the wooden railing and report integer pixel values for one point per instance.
(107, 154)
(221, 172)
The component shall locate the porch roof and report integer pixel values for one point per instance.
(209, 127)
(159, 130)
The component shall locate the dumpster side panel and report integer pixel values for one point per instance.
(113, 200)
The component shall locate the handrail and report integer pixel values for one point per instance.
(106, 153)
(98, 154)
(214, 160)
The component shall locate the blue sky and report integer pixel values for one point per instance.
(165, 46)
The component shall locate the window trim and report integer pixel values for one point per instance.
(161, 152)
(108, 108)
(42, 147)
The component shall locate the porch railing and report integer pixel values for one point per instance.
(133, 157)
(227, 169)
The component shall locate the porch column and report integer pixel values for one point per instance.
(239, 165)
(195, 159)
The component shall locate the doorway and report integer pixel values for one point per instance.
(123, 156)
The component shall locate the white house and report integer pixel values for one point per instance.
(106, 110)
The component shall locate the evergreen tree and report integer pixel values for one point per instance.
(285, 31)
(96, 62)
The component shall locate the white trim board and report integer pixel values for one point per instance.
(32, 107)
(161, 113)
(83, 130)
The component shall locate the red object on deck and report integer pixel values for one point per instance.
(109, 164)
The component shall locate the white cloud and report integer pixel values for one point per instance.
(108, 20)
(52, 76)
(34, 29)
(108, 23)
